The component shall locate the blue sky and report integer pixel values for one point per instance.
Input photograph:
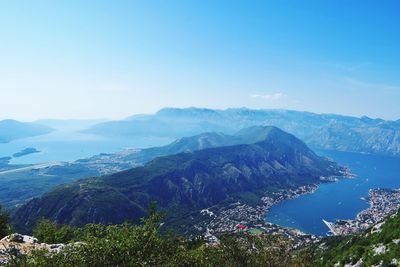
(111, 59)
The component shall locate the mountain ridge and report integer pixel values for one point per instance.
(11, 130)
(320, 131)
(183, 182)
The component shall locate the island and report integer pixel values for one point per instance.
(26, 151)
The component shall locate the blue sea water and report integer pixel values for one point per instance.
(67, 145)
(340, 200)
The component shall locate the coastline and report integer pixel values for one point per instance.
(238, 217)
(383, 203)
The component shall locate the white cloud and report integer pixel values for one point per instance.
(275, 96)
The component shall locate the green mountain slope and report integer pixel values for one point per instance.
(378, 246)
(25, 183)
(184, 182)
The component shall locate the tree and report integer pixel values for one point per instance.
(127, 245)
(48, 232)
(5, 227)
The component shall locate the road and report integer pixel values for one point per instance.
(33, 167)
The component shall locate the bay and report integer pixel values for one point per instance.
(70, 145)
(339, 200)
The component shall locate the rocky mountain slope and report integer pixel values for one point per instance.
(323, 131)
(378, 246)
(185, 182)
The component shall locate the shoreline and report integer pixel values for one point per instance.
(238, 217)
(383, 203)
(252, 219)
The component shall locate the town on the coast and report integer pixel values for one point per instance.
(383, 203)
(241, 217)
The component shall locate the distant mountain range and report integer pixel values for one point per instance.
(11, 130)
(322, 131)
(186, 182)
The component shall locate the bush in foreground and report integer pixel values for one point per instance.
(5, 227)
(128, 244)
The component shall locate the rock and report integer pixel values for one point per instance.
(359, 263)
(56, 248)
(377, 228)
(18, 238)
(15, 245)
(30, 239)
(381, 249)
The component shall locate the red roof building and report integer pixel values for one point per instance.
(240, 226)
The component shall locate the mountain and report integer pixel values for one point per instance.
(24, 182)
(184, 183)
(11, 130)
(321, 131)
(377, 246)
(134, 157)
(71, 124)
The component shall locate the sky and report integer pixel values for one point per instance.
(110, 59)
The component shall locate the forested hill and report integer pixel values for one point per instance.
(184, 182)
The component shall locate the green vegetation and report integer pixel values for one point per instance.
(184, 183)
(150, 244)
(128, 244)
(51, 233)
(350, 249)
(5, 227)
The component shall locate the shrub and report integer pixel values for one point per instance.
(5, 227)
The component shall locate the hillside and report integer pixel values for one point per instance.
(11, 130)
(23, 183)
(184, 183)
(378, 246)
(322, 131)
(128, 245)
(132, 245)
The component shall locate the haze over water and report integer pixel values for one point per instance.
(66, 145)
(340, 200)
